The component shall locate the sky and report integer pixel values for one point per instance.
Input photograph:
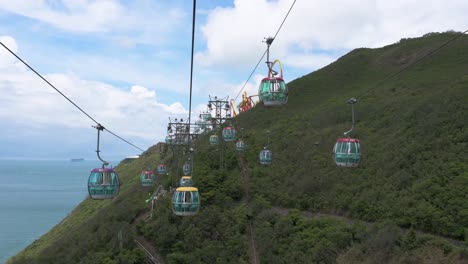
(127, 63)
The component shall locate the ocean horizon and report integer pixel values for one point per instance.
(35, 195)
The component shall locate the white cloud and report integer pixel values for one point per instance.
(81, 15)
(130, 23)
(5, 57)
(133, 112)
(233, 34)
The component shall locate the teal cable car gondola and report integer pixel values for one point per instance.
(347, 151)
(186, 201)
(229, 133)
(103, 183)
(205, 116)
(240, 145)
(162, 168)
(187, 168)
(147, 178)
(169, 140)
(214, 140)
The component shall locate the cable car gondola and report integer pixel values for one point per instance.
(273, 90)
(186, 181)
(186, 201)
(229, 133)
(205, 116)
(240, 145)
(214, 140)
(347, 151)
(169, 140)
(265, 157)
(187, 168)
(103, 183)
(162, 169)
(147, 178)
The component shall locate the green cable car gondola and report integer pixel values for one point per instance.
(147, 178)
(169, 140)
(229, 133)
(187, 168)
(240, 145)
(265, 157)
(162, 168)
(186, 201)
(214, 140)
(186, 181)
(347, 151)
(273, 90)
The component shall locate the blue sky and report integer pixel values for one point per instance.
(127, 62)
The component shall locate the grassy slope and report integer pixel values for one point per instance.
(94, 222)
(414, 173)
(413, 132)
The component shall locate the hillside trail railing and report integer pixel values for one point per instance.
(160, 192)
(149, 257)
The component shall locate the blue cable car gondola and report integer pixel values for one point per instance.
(214, 140)
(147, 178)
(162, 168)
(186, 181)
(240, 145)
(229, 133)
(265, 157)
(186, 201)
(347, 151)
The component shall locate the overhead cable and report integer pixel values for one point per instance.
(263, 55)
(64, 96)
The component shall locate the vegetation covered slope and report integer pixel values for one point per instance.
(303, 209)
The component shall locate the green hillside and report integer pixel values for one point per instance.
(406, 203)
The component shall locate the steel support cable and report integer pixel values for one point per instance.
(191, 69)
(261, 58)
(377, 84)
(64, 96)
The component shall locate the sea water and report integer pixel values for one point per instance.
(35, 196)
